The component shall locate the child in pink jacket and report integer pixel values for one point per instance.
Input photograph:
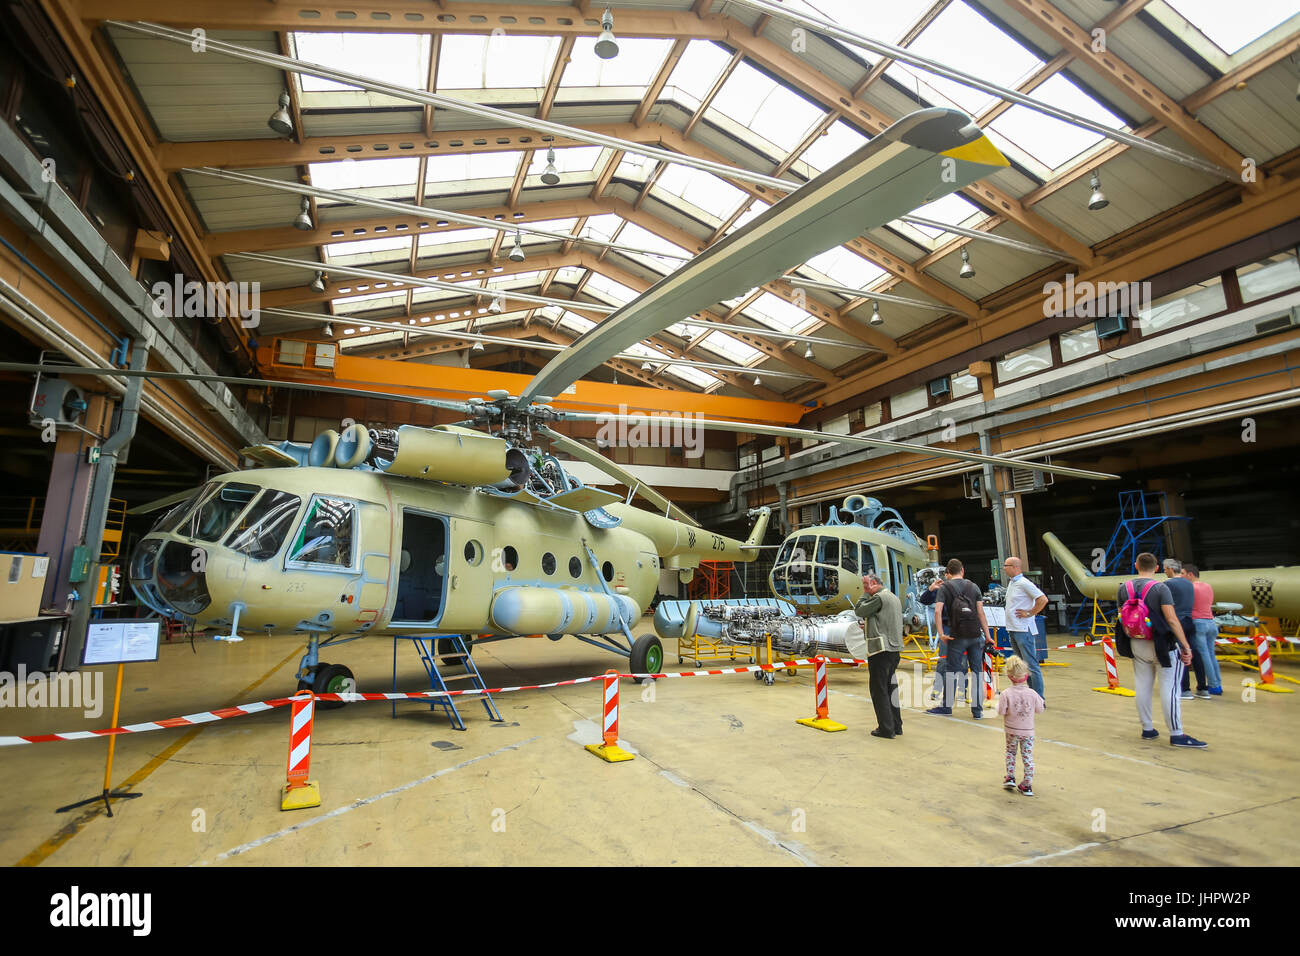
(1017, 705)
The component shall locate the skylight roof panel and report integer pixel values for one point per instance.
(731, 349)
(694, 376)
(499, 61)
(845, 268)
(1051, 141)
(839, 140)
(1231, 26)
(699, 68)
(568, 159)
(575, 323)
(361, 173)
(777, 313)
(964, 39)
(615, 292)
(951, 209)
(637, 63)
(703, 190)
(398, 58)
(467, 167)
(878, 20)
(439, 242)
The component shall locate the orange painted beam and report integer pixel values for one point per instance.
(458, 384)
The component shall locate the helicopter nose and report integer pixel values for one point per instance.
(170, 576)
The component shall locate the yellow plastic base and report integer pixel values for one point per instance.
(1117, 691)
(1273, 688)
(821, 723)
(300, 798)
(610, 753)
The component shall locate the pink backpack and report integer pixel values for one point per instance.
(1133, 615)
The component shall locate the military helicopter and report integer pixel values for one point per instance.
(1272, 592)
(473, 528)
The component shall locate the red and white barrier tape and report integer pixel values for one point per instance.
(205, 717)
(1220, 640)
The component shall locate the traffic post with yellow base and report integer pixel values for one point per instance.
(299, 793)
(822, 721)
(1266, 681)
(1112, 672)
(609, 750)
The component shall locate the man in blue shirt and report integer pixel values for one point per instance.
(1024, 602)
(1184, 594)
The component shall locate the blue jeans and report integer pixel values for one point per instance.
(1206, 632)
(1024, 644)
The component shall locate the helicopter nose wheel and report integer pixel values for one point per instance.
(329, 679)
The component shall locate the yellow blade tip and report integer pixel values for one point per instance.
(978, 151)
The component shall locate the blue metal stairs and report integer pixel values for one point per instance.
(427, 647)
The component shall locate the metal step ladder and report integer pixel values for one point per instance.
(427, 647)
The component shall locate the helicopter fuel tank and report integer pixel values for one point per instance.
(536, 610)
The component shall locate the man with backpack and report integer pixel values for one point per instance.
(1149, 632)
(959, 611)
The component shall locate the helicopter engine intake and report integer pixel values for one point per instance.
(838, 635)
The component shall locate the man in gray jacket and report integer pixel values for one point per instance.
(884, 620)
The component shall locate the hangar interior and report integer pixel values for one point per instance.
(284, 226)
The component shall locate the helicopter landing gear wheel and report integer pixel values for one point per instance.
(647, 656)
(332, 679)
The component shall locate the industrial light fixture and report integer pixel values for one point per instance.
(329, 329)
(497, 304)
(757, 380)
(967, 270)
(478, 347)
(303, 219)
(606, 45)
(615, 382)
(550, 175)
(517, 253)
(646, 366)
(1098, 198)
(808, 352)
(875, 314)
(280, 121)
(318, 283)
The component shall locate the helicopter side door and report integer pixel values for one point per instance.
(422, 568)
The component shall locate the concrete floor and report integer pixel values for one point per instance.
(723, 774)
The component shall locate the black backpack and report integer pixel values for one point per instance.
(964, 614)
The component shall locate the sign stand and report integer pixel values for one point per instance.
(117, 642)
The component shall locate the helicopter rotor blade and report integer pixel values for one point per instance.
(923, 157)
(806, 433)
(461, 407)
(595, 458)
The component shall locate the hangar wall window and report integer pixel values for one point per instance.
(1079, 343)
(1024, 362)
(964, 384)
(1269, 277)
(1198, 301)
(913, 400)
(327, 535)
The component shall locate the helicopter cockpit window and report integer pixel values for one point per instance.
(215, 516)
(799, 574)
(828, 550)
(172, 516)
(261, 531)
(826, 580)
(327, 534)
(786, 550)
(868, 558)
(849, 556)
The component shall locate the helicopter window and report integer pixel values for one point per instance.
(509, 558)
(575, 568)
(799, 574)
(786, 550)
(473, 553)
(826, 582)
(607, 571)
(220, 509)
(171, 517)
(828, 550)
(263, 528)
(548, 563)
(326, 535)
(868, 558)
(804, 547)
(849, 556)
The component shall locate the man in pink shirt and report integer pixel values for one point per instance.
(1207, 630)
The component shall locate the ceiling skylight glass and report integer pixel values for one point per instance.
(694, 376)
(962, 38)
(729, 348)
(568, 159)
(878, 20)
(466, 167)
(637, 63)
(845, 268)
(606, 288)
(396, 58)
(633, 235)
(777, 313)
(455, 240)
(702, 190)
(365, 251)
(1232, 26)
(839, 140)
(359, 173)
(951, 209)
(773, 111)
(1051, 141)
(495, 62)
(699, 68)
